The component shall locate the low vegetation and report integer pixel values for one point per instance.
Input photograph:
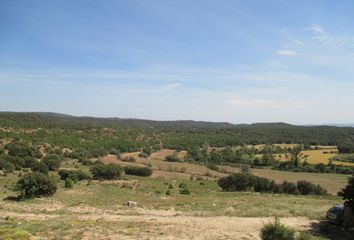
(36, 185)
(103, 171)
(138, 171)
(249, 182)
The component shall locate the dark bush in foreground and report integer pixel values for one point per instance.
(108, 172)
(138, 171)
(36, 185)
(347, 193)
(277, 231)
(75, 175)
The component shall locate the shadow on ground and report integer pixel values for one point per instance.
(331, 231)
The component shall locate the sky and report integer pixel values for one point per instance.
(234, 61)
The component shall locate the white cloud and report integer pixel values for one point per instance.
(323, 37)
(286, 53)
(248, 102)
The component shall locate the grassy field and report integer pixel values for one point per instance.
(316, 156)
(332, 182)
(97, 209)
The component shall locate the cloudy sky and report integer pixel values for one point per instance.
(236, 61)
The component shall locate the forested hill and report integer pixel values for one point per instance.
(184, 133)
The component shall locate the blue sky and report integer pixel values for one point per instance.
(235, 61)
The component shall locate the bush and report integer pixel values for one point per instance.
(53, 161)
(248, 182)
(85, 161)
(172, 158)
(36, 185)
(347, 193)
(184, 191)
(306, 188)
(138, 171)
(22, 150)
(289, 188)
(75, 175)
(7, 166)
(108, 172)
(40, 167)
(277, 231)
(69, 183)
(213, 166)
(236, 182)
(182, 185)
(29, 162)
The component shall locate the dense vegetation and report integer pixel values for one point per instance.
(348, 193)
(138, 171)
(36, 185)
(249, 182)
(126, 134)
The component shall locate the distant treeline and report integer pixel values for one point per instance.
(131, 134)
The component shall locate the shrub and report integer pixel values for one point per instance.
(85, 161)
(236, 182)
(289, 188)
(168, 192)
(53, 161)
(109, 171)
(182, 185)
(305, 187)
(7, 166)
(69, 183)
(184, 191)
(40, 167)
(75, 175)
(213, 166)
(29, 162)
(138, 171)
(277, 231)
(22, 150)
(172, 158)
(347, 193)
(36, 185)
(262, 184)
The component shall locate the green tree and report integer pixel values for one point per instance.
(296, 155)
(36, 185)
(102, 171)
(347, 193)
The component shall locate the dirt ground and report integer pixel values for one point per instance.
(140, 223)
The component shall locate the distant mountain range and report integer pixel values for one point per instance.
(153, 123)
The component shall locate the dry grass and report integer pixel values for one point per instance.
(316, 157)
(170, 170)
(332, 182)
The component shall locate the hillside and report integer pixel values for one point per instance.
(181, 133)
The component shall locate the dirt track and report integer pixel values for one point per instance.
(159, 224)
